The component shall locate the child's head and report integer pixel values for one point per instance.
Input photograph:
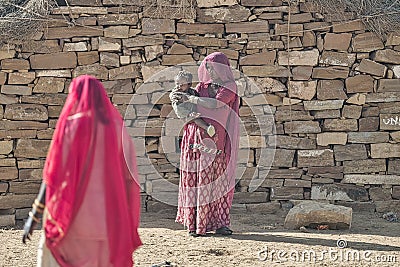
(183, 80)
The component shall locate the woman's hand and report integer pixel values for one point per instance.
(30, 224)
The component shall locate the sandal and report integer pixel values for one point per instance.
(223, 231)
(194, 234)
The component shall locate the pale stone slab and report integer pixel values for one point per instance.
(216, 3)
(266, 71)
(296, 58)
(383, 97)
(385, 150)
(6, 147)
(49, 85)
(337, 59)
(389, 121)
(368, 137)
(303, 90)
(235, 13)
(29, 112)
(154, 26)
(318, 157)
(325, 139)
(371, 179)
(357, 99)
(109, 44)
(323, 105)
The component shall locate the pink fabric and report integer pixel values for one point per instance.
(92, 195)
(207, 180)
(227, 112)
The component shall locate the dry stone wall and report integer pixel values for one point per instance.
(334, 128)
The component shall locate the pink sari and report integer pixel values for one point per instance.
(207, 169)
(92, 195)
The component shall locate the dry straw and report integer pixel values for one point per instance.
(379, 16)
(20, 19)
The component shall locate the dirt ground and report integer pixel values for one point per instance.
(258, 240)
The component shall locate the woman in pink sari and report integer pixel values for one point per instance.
(207, 168)
(90, 194)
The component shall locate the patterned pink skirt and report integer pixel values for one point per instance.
(205, 192)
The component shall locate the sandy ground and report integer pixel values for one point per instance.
(258, 240)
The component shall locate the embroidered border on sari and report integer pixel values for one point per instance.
(205, 149)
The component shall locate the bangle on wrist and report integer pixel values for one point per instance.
(38, 203)
(37, 209)
(36, 219)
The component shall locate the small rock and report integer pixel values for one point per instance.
(390, 216)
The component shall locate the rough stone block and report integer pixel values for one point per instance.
(385, 150)
(320, 157)
(368, 137)
(96, 70)
(335, 72)
(372, 67)
(380, 194)
(302, 127)
(351, 111)
(331, 89)
(360, 84)
(30, 148)
(342, 192)
(63, 60)
(341, 125)
(340, 42)
(21, 77)
(291, 142)
(323, 105)
(286, 193)
(387, 56)
(350, 152)
(26, 112)
(14, 64)
(367, 42)
(14, 90)
(303, 90)
(228, 14)
(247, 27)
(337, 58)
(371, 179)
(364, 166)
(368, 124)
(311, 214)
(263, 58)
(389, 122)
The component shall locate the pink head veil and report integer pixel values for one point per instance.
(221, 66)
(70, 162)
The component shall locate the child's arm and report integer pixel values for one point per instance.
(180, 110)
